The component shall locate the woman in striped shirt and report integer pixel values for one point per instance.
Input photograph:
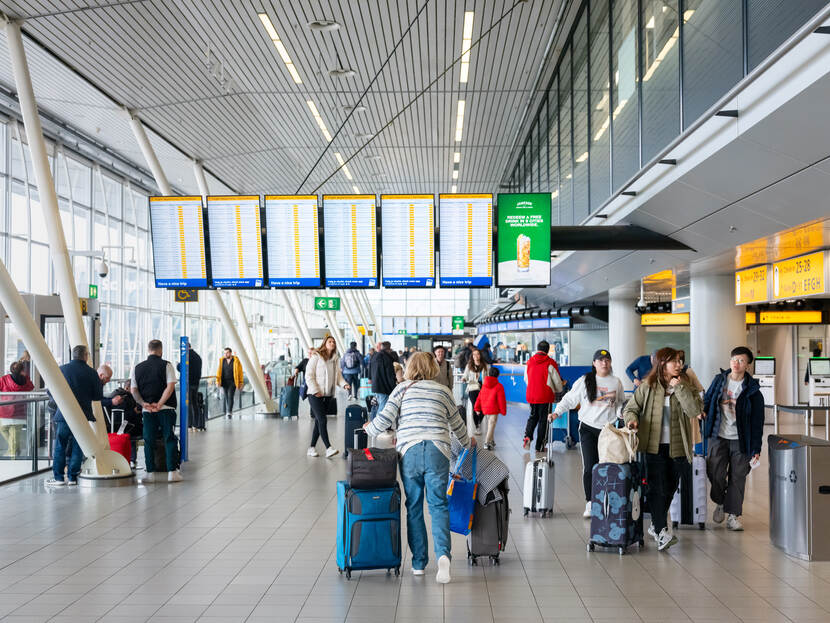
(424, 413)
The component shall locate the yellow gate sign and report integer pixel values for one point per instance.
(751, 285)
(800, 276)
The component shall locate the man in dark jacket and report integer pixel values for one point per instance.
(734, 427)
(195, 417)
(85, 384)
(382, 373)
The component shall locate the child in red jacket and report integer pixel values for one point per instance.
(491, 403)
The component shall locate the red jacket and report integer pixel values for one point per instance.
(540, 377)
(7, 384)
(490, 399)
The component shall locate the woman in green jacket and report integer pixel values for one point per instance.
(662, 411)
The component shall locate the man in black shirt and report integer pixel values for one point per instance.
(195, 417)
(153, 384)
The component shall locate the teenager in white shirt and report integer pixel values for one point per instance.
(599, 395)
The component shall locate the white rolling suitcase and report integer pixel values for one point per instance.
(538, 483)
(690, 502)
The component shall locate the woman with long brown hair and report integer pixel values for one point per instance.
(322, 375)
(474, 375)
(662, 411)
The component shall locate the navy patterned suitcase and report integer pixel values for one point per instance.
(616, 513)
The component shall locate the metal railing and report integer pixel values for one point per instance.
(25, 435)
(807, 411)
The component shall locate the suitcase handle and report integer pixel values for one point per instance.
(456, 472)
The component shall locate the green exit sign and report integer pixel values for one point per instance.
(458, 323)
(93, 291)
(401, 331)
(327, 303)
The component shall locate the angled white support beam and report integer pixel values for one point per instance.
(358, 305)
(347, 309)
(241, 337)
(289, 310)
(370, 311)
(294, 297)
(64, 277)
(334, 330)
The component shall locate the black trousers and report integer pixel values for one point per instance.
(195, 417)
(228, 392)
(538, 421)
(663, 476)
(588, 445)
(321, 427)
(477, 416)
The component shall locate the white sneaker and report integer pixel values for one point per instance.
(71, 483)
(174, 476)
(717, 514)
(733, 523)
(665, 539)
(331, 451)
(651, 531)
(586, 514)
(417, 571)
(443, 576)
(52, 482)
(150, 477)
(312, 452)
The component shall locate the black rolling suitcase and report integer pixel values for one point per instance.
(356, 417)
(490, 527)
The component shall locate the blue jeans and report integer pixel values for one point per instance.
(381, 398)
(423, 466)
(164, 419)
(65, 442)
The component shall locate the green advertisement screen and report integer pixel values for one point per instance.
(523, 254)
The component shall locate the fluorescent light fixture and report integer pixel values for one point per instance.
(582, 158)
(343, 166)
(459, 121)
(554, 194)
(456, 157)
(454, 189)
(319, 120)
(650, 23)
(275, 39)
(466, 44)
(356, 190)
(455, 175)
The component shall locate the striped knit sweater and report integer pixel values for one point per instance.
(427, 413)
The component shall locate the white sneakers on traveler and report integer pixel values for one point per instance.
(665, 539)
(312, 452)
(733, 523)
(586, 514)
(331, 451)
(150, 477)
(443, 576)
(717, 514)
(174, 476)
(417, 572)
(52, 482)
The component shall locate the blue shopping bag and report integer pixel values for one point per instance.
(461, 496)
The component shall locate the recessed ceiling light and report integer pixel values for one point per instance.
(323, 25)
(454, 189)
(342, 72)
(357, 108)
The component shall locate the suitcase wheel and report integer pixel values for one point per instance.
(348, 574)
(701, 525)
(590, 546)
(621, 550)
(495, 559)
(397, 571)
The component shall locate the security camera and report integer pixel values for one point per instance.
(102, 269)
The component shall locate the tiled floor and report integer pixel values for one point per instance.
(249, 536)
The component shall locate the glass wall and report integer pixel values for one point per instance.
(103, 212)
(631, 76)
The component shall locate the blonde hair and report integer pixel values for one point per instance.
(421, 367)
(324, 352)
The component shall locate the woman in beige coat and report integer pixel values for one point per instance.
(322, 376)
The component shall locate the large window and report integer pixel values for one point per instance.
(580, 117)
(771, 22)
(625, 97)
(600, 105)
(553, 152)
(566, 215)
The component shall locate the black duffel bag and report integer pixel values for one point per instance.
(371, 468)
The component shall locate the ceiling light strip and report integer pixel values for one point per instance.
(319, 120)
(275, 39)
(459, 121)
(343, 166)
(466, 44)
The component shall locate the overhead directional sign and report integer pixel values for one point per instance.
(328, 303)
(751, 286)
(799, 276)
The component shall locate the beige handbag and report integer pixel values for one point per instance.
(617, 445)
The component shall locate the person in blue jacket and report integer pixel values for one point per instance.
(638, 369)
(85, 384)
(734, 427)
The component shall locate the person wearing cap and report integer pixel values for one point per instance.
(599, 395)
(638, 369)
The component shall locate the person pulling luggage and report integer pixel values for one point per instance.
(424, 413)
(600, 397)
(322, 376)
(662, 411)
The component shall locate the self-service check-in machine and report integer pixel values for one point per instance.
(765, 374)
(819, 381)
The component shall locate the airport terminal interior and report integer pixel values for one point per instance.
(592, 237)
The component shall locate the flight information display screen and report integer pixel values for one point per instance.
(178, 236)
(407, 230)
(235, 241)
(350, 241)
(292, 241)
(466, 241)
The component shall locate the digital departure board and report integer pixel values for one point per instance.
(292, 241)
(466, 241)
(178, 236)
(350, 241)
(235, 241)
(407, 230)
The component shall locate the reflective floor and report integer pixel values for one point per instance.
(249, 536)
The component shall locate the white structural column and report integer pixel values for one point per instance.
(370, 311)
(289, 309)
(293, 299)
(717, 324)
(626, 338)
(347, 309)
(363, 317)
(64, 276)
(334, 330)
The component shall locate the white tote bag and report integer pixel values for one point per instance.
(617, 445)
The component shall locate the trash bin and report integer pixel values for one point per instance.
(799, 495)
